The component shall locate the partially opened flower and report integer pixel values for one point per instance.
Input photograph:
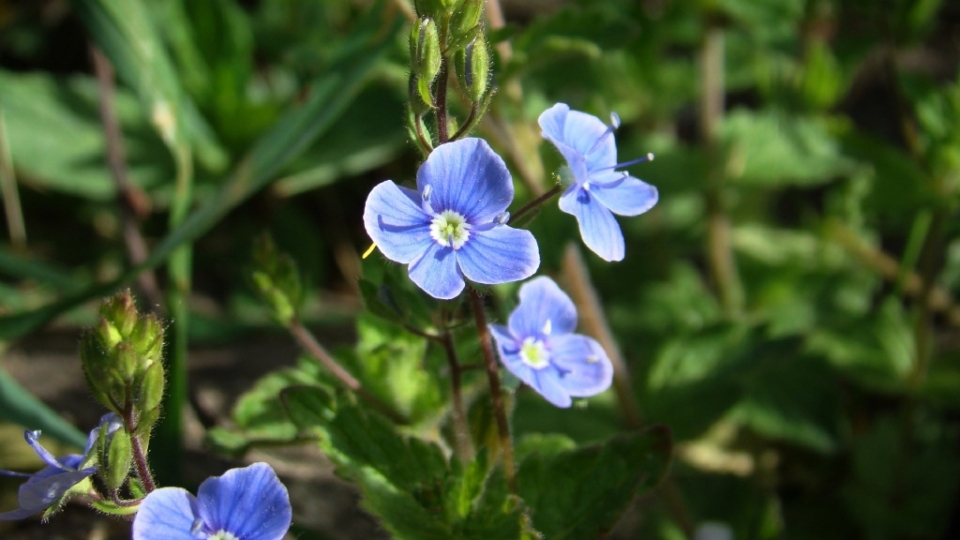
(454, 225)
(248, 503)
(539, 347)
(46, 488)
(599, 190)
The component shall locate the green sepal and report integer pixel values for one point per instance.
(111, 508)
(425, 57)
(150, 391)
(472, 64)
(116, 455)
(466, 17)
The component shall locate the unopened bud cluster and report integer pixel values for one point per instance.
(277, 280)
(121, 359)
(449, 30)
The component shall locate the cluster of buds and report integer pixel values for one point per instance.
(449, 30)
(276, 279)
(121, 359)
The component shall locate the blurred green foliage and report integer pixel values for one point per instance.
(820, 403)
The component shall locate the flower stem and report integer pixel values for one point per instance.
(461, 429)
(493, 376)
(535, 203)
(441, 113)
(313, 347)
(139, 456)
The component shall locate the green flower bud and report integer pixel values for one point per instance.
(276, 279)
(472, 64)
(434, 8)
(116, 455)
(150, 391)
(117, 352)
(145, 423)
(425, 49)
(466, 17)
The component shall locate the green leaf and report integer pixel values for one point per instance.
(56, 137)
(21, 407)
(581, 493)
(777, 149)
(404, 480)
(333, 90)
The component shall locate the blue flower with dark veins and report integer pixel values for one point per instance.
(248, 503)
(599, 190)
(47, 487)
(454, 226)
(539, 347)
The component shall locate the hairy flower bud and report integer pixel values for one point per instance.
(118, 351)
(425, 49)
(277, 280)
(466, 17)
(115, 455)
(472, 64)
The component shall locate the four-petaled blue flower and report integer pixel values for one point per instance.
(540, 348)
(454, 225)
(249, 503)
(591, 152)
(45, 488)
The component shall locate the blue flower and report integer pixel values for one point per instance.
(599, 190)
(540, 348)
(454, 225)
(45, 488)
(248, 503)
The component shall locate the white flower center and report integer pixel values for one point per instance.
(450, 229)
(222, 535)
(534, 353)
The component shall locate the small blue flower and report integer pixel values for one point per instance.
(540, 348)
(249, 503)
(45, 488)
(454, 225)
(600, 190)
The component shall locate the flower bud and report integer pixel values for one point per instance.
(115, 456)
(276, 279)
(149, 393)
(425, 49)
(466, 17)
(117, 352)
(472, 64)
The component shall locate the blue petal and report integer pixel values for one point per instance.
(166, 514)
(503, 337)
(32, 438)
(499, 255)
(19, 513)
(627, 197)
(466, 176)
(47, 487)
(250, 503)
(547, 383)
(541, 300)
(396, 223)
(586, 369)
(579, 132)
(598, 227)
(437, 273)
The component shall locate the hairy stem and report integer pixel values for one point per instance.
(493, 376)
(461, 429)
(316, 350)
(442, 80)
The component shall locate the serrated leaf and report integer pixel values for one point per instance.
(581, 493)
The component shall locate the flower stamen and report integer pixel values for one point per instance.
(450, 229)
(534, 353)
